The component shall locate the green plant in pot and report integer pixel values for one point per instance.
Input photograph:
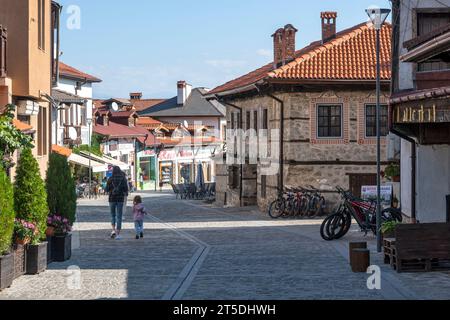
(392, 172)
(30, 202)
(388, 229)
(6, 230)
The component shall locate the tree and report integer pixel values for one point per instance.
(30, 197)
(6, 212)
(11, 138)
(61, 193)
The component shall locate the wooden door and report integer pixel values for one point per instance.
(357, 180)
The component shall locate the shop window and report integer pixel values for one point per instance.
(371, 121)
(329, 121)
(166, 172)
(186, 173)
(147, 169)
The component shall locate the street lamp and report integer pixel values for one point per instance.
(378, 17)
(89, 122)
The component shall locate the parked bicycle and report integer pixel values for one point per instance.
(338, 224)
(298, 202)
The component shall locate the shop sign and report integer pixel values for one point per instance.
(426, 112)
(167, 155)
(370, 193)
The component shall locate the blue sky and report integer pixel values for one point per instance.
(148, 45)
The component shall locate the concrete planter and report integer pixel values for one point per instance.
(6, 271)
(37, 258)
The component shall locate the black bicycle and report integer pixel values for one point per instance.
(337, 225)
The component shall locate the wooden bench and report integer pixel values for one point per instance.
(422, 247)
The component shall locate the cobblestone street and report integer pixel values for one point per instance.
(194, 251)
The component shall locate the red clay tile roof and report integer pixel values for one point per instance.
(122, 114)
(115, 130)
(148, 121)
(66, 70)
(66, 152)
(349, 56)
(143, 104)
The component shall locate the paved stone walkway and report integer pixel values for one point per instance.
(194, 251)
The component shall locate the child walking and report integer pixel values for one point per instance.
(139, 212)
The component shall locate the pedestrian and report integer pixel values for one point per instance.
(139, 212)
(117, 188)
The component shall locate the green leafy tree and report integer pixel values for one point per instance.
(61, 194)
(11, 138)
(30, 196)
(6, 212)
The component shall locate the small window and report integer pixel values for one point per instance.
(41, 24)
(329, 121)
(371, 120)
(265, 120)
(42, 140)
(255, 120)
(248, 121)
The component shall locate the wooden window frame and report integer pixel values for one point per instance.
(374, 116)
(329, 116)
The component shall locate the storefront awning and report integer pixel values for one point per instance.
(107, 160)
(83, 161)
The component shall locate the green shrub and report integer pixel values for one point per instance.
(30, 197)
(61, 193)
(6, 212)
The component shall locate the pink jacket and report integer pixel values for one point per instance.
(139, 212)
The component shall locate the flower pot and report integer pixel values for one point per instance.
(22, 242)
(20, 260)
(396, 179)
(6, 271)
(49, 250)
(61, 247)
(37, 258)
(50, 232)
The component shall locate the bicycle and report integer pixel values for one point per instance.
(363, 212)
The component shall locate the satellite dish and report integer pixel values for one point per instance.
(115, 106)
(73, 135)
(186, 124)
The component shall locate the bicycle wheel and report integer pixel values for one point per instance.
(276, 209)
(304, 206)
(324, 228)
(340, 225)
(319, 206)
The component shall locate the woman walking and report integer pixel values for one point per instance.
(117, 188)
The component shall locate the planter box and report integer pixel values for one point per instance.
(49, 249)
(20, 260)
(61, 248)
(37, 258)
(6, 271)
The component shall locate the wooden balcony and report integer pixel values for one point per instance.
(3, 38)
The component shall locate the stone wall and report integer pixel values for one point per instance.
(309, 160)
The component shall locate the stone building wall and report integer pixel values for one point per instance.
(322, 163)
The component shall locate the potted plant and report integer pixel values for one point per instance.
(61, 241)
(24, 232)
(392, 172)
(6, 231)
(62, 200)
(30, 202)
(388, 229)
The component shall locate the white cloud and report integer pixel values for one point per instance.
(264, 53)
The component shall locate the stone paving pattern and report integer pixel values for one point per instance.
(194, 251)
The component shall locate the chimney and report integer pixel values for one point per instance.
(135, 95)
(184, 91)
(328, 25)
(284, 45)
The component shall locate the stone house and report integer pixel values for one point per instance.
(313, 110)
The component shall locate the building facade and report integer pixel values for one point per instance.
(311, 113)
(420, 109)
(28, 53)
(73, 106)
